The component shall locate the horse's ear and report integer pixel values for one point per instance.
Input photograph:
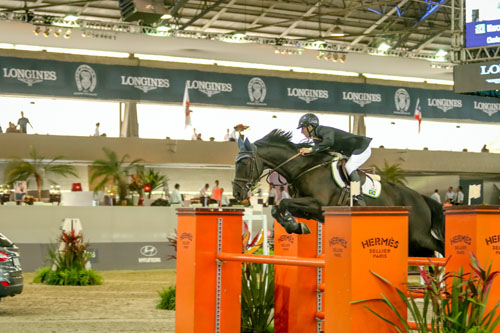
(240, 144)
(248, 145)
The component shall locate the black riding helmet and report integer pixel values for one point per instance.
(308, 119)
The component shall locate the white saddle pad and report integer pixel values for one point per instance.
(372, 186)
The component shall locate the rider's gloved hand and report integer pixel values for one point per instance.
(304, 151)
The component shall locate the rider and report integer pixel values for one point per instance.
(355, 147)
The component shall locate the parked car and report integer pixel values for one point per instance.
(11, 273)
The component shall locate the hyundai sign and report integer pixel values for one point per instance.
(482, 23)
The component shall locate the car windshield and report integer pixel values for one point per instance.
(5, 242)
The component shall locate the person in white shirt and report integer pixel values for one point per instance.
(227, 136)
(284, 194)
(436, 196)
(450, 195)
(204, 195)
(194, 137)
(459, 199)
(176, 196)
(96, 132)
(271, 196)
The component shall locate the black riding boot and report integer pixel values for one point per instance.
(360, 199)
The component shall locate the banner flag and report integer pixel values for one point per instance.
(418, 114)
(186, 105)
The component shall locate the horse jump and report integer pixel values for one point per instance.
(357, 240)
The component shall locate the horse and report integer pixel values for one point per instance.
(313, 187)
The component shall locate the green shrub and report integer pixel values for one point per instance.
(67, 266)
(257, 297)
(451, 303)
(167, 299)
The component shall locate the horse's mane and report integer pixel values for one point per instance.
(279, 137)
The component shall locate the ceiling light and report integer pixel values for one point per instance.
(46, 33)
(239, 34)
(37, 30)
(335, 57)
(67, 34)
(319, 56)
(70, 18)
(57, 32)
(441, 53)
(337, 32)
(342, 58)
(383, 47)
(166, 17)
(163, 28)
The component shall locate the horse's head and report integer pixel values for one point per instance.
(248, 169)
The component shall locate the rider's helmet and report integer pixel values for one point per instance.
(308, 119)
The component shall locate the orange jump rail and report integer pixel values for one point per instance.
(275, 260)
(423, 261)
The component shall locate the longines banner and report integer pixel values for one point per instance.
(477, 77)
(97, 81)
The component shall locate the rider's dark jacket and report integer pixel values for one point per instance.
(339, 141)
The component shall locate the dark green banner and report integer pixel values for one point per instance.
(113, 82)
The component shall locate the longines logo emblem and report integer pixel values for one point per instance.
(488, 108)
(144, 83)
(86, 80)
(361, 98)
(402, 101)
(210, 88)
(256, 91)
(307, 95)
(29, 76)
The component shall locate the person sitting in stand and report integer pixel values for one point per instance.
(355, 147)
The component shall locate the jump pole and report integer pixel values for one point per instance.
(474, 229)
(298, 300)
(358, 240)
(203, 302)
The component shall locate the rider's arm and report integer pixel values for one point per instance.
(327, 136)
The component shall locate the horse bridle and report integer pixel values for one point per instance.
(253, 156)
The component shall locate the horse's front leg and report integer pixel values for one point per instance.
(300, 207)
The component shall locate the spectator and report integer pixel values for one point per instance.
(12, 128)
(204, 195)
(459, 199)
(436, 196)
(199, 137)
(194, 137)
(1, 131)
(485, 149)
(284, 194)
(215, 187)
(96, 132)
(23, 122)
(224, 200)
(271, 197)
(175, 196)
(450, 195)
(227, 136)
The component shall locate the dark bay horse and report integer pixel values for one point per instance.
(316, 188)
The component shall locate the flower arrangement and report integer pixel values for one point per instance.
(28, 199)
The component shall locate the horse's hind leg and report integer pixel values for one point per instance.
(427, 245)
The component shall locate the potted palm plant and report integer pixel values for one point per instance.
(19, 169)
(112, 169)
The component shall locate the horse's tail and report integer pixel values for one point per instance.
(437, 217)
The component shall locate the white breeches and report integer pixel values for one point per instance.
(355, 161)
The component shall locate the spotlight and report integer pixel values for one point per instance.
(37, 30)
(383, 47)
(335, 57)
(342, 58)
(67, 34)
(319, 56)
(57, 32)
(46, 33)
(326, 57)
(84, 34)
(337, 32)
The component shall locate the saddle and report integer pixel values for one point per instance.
(370, 182)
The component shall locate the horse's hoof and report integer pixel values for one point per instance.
(304, 229)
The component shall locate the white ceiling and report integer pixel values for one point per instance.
(22, 33)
